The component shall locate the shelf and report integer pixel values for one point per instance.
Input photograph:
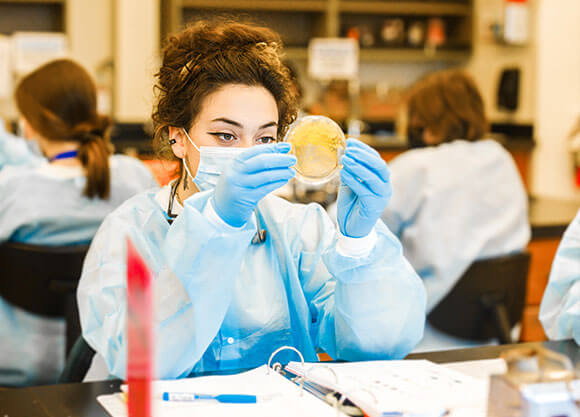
(296, 53)
(32, 1)
(270, 5)
(406, 8)
(391, 54)
(413, 55)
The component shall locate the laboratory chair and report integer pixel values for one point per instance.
(78, 362)
(487, 301)
(43, 280)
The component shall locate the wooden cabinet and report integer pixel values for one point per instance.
(543, 252)
(299, 20)
(32, 15)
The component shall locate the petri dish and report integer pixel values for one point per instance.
(318, 143)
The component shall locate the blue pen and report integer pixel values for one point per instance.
(222, 398)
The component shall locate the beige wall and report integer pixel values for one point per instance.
(90, 32)
(136, 58)
(490, 57)
(557, 96)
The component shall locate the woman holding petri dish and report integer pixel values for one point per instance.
(239, 272)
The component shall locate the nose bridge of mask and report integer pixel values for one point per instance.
(212, 162)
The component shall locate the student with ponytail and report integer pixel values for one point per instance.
(61, 201)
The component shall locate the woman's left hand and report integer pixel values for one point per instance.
(365, 189)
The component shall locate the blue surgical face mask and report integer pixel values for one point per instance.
(31, 143)
(213, 161)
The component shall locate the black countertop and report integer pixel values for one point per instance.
(79, 400)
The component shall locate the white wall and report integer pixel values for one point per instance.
(136, 53)
(90, 32)
(557, 96)
(490, 57)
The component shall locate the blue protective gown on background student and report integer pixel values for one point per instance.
(43, 205)
(15, 150)
(454, 204)
(222, 302)
(560, 309)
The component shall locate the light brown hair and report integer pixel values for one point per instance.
(59, 101)
(449, 105)
(208, 55)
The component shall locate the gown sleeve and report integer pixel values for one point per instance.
(560, 309)
(363, 307)
(194, 265)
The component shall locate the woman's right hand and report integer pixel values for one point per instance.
(252, 175)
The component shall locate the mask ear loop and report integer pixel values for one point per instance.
(184, 160)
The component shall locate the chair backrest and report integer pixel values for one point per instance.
(39, 279)
(470, 309)
(78, 362)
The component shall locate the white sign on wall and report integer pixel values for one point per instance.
(33, 49)
(333, 58)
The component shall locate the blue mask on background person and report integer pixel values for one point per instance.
(213, 160)
(34, 147)
(31, 143)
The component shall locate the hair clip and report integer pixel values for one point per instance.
(172, 141)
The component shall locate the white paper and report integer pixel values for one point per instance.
(479, 369)
(333, 58)
(410, 387)
(32, 49)
(287, 399)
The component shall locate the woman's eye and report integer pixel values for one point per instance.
(224, 137)
(266, 139)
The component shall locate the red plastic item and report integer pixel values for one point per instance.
(139, 334)
(578, 177)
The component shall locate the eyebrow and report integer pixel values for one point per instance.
(234, 123)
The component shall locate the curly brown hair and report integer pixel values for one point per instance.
(449, 104)
(208, 55)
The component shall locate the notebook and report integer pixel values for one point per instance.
(410, 388)
(288, 400)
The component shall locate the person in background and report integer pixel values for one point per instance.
(61, 201)
(458, 196)
(15, 150)
(560, 308)
(237, 271)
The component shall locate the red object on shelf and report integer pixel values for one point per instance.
(139, 334)
(577, 177)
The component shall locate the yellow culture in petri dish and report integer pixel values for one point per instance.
(318, 143)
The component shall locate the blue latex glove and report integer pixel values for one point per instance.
(364, 191)
(252, 175)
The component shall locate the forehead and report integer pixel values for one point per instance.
(247, 105)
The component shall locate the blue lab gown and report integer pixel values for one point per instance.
(222, 302)
(44, 205)
(560, 309)
(454, 204)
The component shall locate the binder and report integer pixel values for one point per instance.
(423, 389)
(410, 388)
